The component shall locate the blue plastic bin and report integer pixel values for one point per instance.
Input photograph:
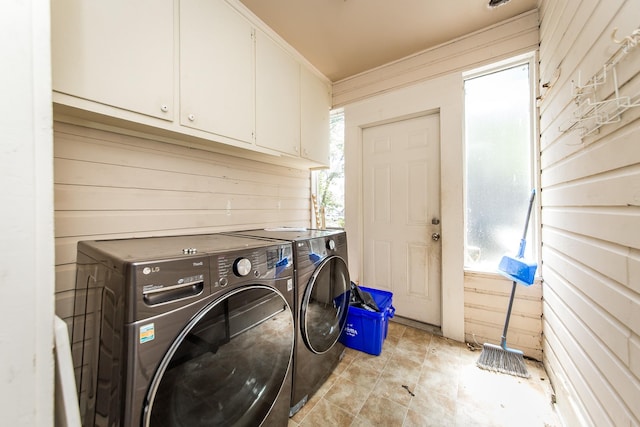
(366, 330)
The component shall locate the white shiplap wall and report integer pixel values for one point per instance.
(486, 298)
(591, 217)
(109, 185)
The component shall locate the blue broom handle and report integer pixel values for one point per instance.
(503, 340)
(523, 242)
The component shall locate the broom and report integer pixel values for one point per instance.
(501, 358)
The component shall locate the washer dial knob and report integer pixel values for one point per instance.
(242, 267)
(331, 244)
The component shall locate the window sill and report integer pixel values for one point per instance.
(496, 275)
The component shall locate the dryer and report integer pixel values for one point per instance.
(184, 331)
(323, 287)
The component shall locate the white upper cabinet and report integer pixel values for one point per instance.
(277, 97)
(315, 104)
(117, 53)
(202, 73)
(216, 69)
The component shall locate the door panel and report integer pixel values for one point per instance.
(382, 195)
(401, 179)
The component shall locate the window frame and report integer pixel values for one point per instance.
(315, 181)
(535, 224)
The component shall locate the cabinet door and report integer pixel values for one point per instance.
(315, 97)
(116, 52)
(216, 69)
(277, 97)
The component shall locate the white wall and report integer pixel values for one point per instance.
(26, 215)
(427, 82)
(486, 297)
(591, 217)
(109, 185)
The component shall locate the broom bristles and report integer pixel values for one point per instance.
(507, 361)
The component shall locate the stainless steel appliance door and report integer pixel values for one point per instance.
(228, 365)
(325, 304)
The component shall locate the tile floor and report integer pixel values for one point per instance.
(423, 380)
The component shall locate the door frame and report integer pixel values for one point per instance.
(443, 95)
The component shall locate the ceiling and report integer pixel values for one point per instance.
(342, 38)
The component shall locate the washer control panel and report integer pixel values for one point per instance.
(252, 264)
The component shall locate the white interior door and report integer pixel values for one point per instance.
(401, 179)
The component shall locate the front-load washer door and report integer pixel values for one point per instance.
(323, 313)
(228, 365)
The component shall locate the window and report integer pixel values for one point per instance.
(499, 164)
(329, 183)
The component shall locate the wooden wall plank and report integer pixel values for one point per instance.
(589, 384)
(565, 163)
(109, 185)
(65, 277)
(64, 304)
(485, 305)
(110, 222)
(552, 27)
(118, 176)
(615, 225)
(608, 259)
(611, 332)
(556, 105)
(614, 188)
(633, 270)
(520, 320)
(80, 143)
(624, 388)
(603, 294)
(566, 48)
(569, 407)
(523, 306)
(590, 214)
(85, 198)
(634, 355)
(583, 49)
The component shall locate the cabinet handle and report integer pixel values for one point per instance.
(191, 117)
(164, 108)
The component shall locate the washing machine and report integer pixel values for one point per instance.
(184, 331)
(322, 301)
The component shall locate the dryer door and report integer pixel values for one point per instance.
(325, 304)
(228, 366)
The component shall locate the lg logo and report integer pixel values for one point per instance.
(149, 270)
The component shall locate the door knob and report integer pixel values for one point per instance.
(435, 237)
